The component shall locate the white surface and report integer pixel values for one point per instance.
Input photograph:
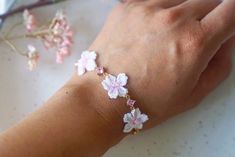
(4, 5)
(206, 131)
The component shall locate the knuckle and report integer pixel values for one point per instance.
(171, 16)
(195, 42)
(196, 37)
(141, 10)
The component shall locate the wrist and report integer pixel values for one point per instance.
(107, 113)
(78, 121)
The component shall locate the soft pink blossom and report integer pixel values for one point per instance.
(60, 37)
(33, 57)
(59, 58)
(29, 20)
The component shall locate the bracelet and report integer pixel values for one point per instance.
(115, 86)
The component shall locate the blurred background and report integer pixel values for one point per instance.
(207, 131)
(5, 5)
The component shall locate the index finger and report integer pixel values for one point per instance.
(219, 24)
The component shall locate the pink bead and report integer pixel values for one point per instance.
(130, 102)
(100, 70)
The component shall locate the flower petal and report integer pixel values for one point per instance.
(92, 55)
(122, 79)
(128, 128)
(81, 71)
(59, 58)
(107, 81)
(127, 118)
(91, 65)
(139, 126)
(26, 14)
(122, 91)
(32, 64)
(136, 112)
(80, 68)
(106, 84)
(111, 78)
(31, 48)
(113, 93)
(143, 118)
(85, 54)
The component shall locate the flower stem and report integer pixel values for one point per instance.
(13, 38)
(13, 47)
(38, 33)
(12, 28)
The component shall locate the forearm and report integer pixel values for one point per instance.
(77, 121)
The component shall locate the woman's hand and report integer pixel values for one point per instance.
(174, 51)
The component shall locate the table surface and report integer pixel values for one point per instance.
(208, 130)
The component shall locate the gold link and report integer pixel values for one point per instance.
(132, 108)
(127, 96)
(135, 131)
(105, 74)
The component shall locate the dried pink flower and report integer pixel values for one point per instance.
(29, 21)
(33, 57)
(59, 58)
(60, 36)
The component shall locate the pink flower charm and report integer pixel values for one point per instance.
(33, 57)
(115, 86)
(134, 120)
(86, 62)
(29, 20)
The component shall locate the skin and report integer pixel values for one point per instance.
(175, 53)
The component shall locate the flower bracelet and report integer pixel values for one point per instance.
(115, 86)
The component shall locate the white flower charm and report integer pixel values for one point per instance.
(134, 120)
(86, 62)
(115, 85)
